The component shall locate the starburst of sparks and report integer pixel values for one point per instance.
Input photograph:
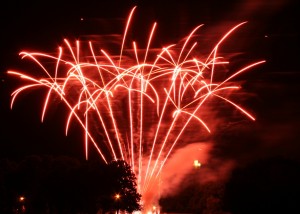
(140, 102)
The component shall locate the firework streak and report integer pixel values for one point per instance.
(135, 106)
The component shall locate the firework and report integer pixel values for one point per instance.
(137, 105)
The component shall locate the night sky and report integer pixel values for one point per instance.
(271, 34)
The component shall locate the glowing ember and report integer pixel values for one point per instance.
(197, 164)
(141, 101)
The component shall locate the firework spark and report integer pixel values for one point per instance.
(142, 102)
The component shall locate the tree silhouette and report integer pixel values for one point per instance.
(66, 185)
(122, 190)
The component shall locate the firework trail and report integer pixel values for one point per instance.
(142, 102)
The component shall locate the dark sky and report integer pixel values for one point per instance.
(271, 34)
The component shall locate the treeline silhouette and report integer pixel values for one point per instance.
(65, 185)
(54, 185)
